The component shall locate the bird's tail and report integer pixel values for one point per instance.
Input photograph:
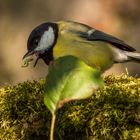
(134, 56)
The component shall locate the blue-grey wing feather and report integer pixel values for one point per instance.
(97, 35)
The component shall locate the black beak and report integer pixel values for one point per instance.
(36, 61)
(30, 52)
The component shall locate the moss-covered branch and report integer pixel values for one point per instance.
(111, 113)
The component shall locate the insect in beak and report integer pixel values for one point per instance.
(28, 60)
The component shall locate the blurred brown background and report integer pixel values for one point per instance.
(17, 18)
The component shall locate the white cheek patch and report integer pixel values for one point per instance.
(46, 40)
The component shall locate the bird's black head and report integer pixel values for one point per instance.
(41, 42)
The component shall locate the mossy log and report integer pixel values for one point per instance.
(112, 113)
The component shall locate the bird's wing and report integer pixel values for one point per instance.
(96, 35)
(92, 34)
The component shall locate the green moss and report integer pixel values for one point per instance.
(111, 113)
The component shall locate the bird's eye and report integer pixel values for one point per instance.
(35, 43)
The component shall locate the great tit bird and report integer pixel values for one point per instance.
(52, 40)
